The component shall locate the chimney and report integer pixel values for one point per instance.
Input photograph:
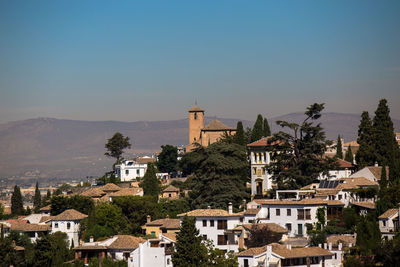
(376, 164)
(340, 246)
(230, 208)
(244, 205)
(209, 207)
(91, 239)
(330, 246)
(320, 245)
(148, 218)
(350, 245)
(288, 246)
(325, 246)
(167, 216)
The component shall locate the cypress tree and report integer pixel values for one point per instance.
(384, 137)
(349, 155)
(239, 136)
(189, 250)
(383, 181)
(37, 199)
(150, 184)
(17, 205)
(266, 129)
(339, 151)
(257, 131)
(366, 153)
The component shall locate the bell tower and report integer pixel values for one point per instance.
(196, 123)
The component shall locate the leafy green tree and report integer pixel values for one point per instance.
(150, 184)
(368, 235)
(17, 206)
(168, 159)
(258, 131)
(135, 209)
(173, 207)
(366, 153)
(187, 164)
(52, 250)
(349, 155)
(1, 210)
(339, 150)
(239, 137)
(220, 176)
(297, 157)
(385, 142)
(217, 258)
(79, 203)
(261, 235)
(189, 250)
(8, 255)
(37, 199)
(266, 129)
(115, 147)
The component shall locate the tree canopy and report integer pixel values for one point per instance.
(37, 199)
(115, 146)
(349, 155)
(239, 137)
(366, 153)
(17, 205)
(297, 157)
(151, 184)
(339, 150)
(168, 159)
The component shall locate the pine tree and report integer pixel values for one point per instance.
(385, 142)
(339, 151)
(366, 153)
(349, 155)
(17, 205)
(266, 129)
(37, 199)
(150, 184)
(190, 252)
(257, 131)
(239, 136)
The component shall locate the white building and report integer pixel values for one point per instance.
(344, 170)
(217, 225)
(259, 157)
(372, 173)
(32, 230)
(68, 222)
(129, 170)
(280, 255)
(389, 223)
(294, 215)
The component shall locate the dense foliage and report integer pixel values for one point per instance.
(168, 159)
(37, 199)
(115, 146)
(79, 203)
(151, 184)
(17, 206)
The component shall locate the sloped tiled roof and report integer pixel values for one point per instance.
(208, 213)
(271, 226)
(145, 160)
(251, 211)
(252, 251)
(286, 253)
(364, 204)
(389, 213)
(166, 223)
(69, 215)
(216, 125)
(45, 219)
(262, 142)
(307, 201)
(344, 239)
(30, 227)
(171, 236)
(126, 242)
(171, 188)
(93, 192)
(132, 191)
(344, 164)
(110, 187)
(355, 182)
(46, 208)
(377, 171)
(196, 108)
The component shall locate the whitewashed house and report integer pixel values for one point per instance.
(389, 223)
(280, 255)
(68, 222)
(294, 214)
(261, 180)
(344, 169)
(33, 230)
(130, 170)
(372, 173)
(218, 226)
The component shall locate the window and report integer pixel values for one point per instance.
(263, 171)
(289, 227)
(222, 239)
(204, 237)
(212, 223)
(384, 223)
(246, 263)
(168, 261)
(204, 223)
(278, 212)
(222, 224)
(254, 170)
(308, 214)
(300, 214)
(68, 225)
(195, 115)
(169, 195)
(340, 197)
(153, 233)
(137, 172)
(56, 225)
(126, 172)
(288, 212)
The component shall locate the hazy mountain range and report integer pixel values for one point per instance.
(47, 147)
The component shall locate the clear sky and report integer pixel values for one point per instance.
(150, 60)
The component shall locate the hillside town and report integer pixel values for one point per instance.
(230, 197)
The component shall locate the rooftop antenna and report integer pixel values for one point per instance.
(195, 101)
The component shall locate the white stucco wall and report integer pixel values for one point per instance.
(72, 232)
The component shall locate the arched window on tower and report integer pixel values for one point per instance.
(195, 115)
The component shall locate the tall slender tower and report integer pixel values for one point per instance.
(196, 123)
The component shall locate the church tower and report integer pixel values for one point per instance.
(196, 124)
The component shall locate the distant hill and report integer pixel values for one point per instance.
(47, 147)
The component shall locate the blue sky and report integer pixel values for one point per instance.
(150, 60)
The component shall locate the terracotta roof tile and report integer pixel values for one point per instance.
(93, 192)
(377, 171)
(28, 227)
(171, 188)
(252, 251)
(209, 213)
(286, 253)
(93, 247)
(344, 164)
(126, 242)
(132, 191)
(261, 143)
(171, 236)
(196, 108)
(251, 211)
(389, 213)
(216, 125)
(69, 215)
(145, 160)
(110, 187)
(46, 208)
(166, 223)
(344, 239)
(271, 226)
(364, 204)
